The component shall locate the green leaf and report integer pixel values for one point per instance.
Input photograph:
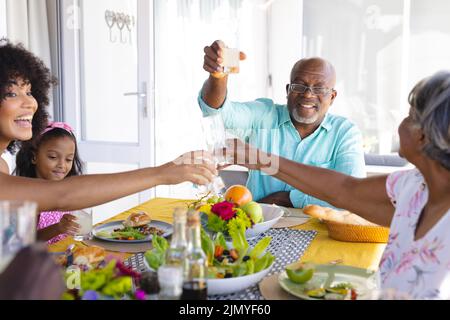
(118, 287)
(240, 270)
(160, 243)
(128, 234)
(250, 267)
(260, 247)
(155, 258)
(207, 246)
(220, 240)
(237, 232)
(261, 263)
(216, 224)
(104, 234)
(92, 280)
(243, 218)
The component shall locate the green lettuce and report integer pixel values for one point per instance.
(216, 224)
(207, 246)
(219, 240)
(156, 256)
(260, 247)
(236, 229)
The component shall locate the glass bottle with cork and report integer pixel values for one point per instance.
(195, 281)
(171, 273)
(176, 253)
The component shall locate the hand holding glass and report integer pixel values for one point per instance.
(84, 219)
(231, 57)
(215, 137)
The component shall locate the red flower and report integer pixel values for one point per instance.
(225, 210)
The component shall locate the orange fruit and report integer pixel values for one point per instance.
(238, 195)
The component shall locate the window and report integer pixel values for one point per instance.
(182, 30)
(380, 49)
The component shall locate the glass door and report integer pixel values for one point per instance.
(107, 81)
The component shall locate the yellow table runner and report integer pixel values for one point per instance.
(322, 249)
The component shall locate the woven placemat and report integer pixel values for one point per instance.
(287, 246)
(120, 247)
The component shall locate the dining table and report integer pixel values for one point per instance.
(321, 249)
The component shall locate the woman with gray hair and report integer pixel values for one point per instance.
(415, 204)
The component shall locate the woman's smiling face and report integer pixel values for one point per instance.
(17, 108)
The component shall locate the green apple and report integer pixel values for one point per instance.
(302, 274)
(254, 210)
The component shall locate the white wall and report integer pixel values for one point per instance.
(285, 30)
(3, 29)
(179, 76)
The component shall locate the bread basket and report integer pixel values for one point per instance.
(357, 233)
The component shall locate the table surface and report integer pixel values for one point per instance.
(322, 249)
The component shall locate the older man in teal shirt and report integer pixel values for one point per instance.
(302, 130)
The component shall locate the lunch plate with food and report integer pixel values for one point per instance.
(328, 282)
(137, 228)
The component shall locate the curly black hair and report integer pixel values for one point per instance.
(28, 150)
(17, 62)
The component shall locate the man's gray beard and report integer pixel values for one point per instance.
(303, 120)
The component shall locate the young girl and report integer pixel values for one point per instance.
(53, 155)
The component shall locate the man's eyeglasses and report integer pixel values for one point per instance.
(300, 88)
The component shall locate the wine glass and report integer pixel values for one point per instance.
(84, 219)
(215, 139)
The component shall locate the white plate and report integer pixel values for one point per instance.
(365, 281)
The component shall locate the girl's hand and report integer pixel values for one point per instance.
(195, 166)
(68, 225)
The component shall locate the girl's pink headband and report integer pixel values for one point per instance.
(60, 125)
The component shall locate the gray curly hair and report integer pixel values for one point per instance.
(430, 101)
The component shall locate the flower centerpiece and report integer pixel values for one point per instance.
(235, 207)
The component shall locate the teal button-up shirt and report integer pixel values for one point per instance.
(335, 145)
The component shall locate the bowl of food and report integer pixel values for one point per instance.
(346, 226)
(236, 206)
(231, 267)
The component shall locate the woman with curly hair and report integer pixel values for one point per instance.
(24, 86)
(415, 203)
(20, 71)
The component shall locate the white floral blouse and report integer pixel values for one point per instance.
(419, 268)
